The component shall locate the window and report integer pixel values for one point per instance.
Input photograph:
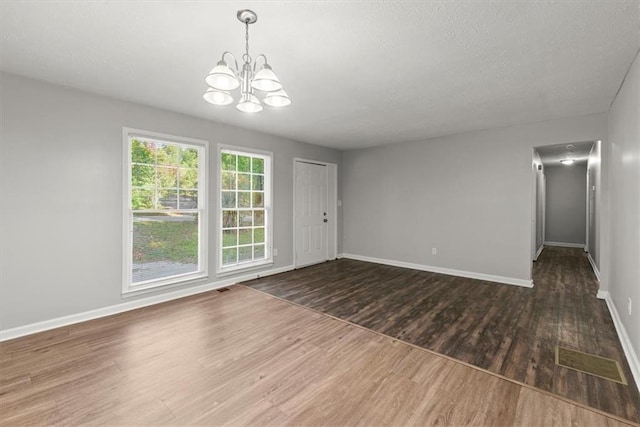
(165, 210)
(245, 208)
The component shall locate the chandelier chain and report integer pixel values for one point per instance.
(246, 56)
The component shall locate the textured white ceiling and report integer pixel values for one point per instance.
(359, 73)
(550, 155)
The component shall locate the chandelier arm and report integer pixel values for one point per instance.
(234, 60)
(255, 63)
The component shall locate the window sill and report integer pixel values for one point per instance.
(242, 268)
(170, 283)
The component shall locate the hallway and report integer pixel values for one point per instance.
(507, 330)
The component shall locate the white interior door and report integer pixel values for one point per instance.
(310, 213)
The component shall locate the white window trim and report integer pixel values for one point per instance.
(128, 289)
(268, 186)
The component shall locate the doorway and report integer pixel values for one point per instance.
(314, 212)
(563, 206)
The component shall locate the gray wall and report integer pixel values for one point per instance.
(624, 134)
(61, 185)
(566, 203)
(594, 202)
(469, 195)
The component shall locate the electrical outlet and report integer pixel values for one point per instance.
(275, 252)
(434, 251)
(629, 306)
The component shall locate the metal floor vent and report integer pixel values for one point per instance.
(590, 364)
(223, 289)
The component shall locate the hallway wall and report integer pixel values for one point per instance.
(566, 202)
(624, 248)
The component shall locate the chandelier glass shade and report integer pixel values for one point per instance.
(218, 97)
(223, 78)
(278, 98)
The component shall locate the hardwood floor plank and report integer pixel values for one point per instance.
(13, 383)
(537, 409)
(466, 393)
(38, 412)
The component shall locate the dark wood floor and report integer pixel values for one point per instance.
(508, 330)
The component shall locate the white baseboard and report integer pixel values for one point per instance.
(593, 266)
(441, 270)
(45, 325)
(565, 245)
(629, 352)
(340, 256)
(539, 252)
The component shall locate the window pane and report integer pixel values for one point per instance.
(188, 199)
(258, 235)
(245, 218)
(143, 176)
(228, 162)
(229, 219)
(164, 239)
(258, 165)
(244, 181)
(164, 245)
(244, 199)
(229, 238)
(258, 217)
(244, 237)
(258, 200)
(228, 199)
(258, 183)
(188, 178)
(229, 256)
(167, 177)
(168, 154)
(228, 180)
(245, 253)
(143, 152)
(244, 164)
(167, 199)
(243, 192)
(189, 157)
(142, 198)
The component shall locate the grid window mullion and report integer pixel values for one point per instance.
(248, 189)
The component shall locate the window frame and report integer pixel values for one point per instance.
(128, 287)
(221, 270)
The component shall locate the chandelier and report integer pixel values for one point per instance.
(223, 79)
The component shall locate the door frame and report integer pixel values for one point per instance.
(332, 208)
(587, 217)
(534, 205)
